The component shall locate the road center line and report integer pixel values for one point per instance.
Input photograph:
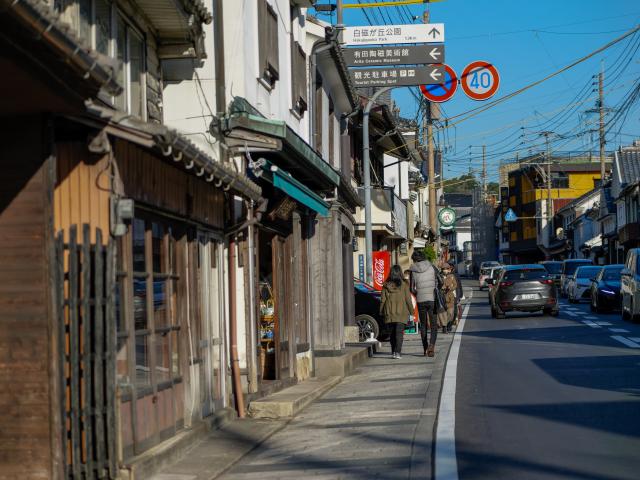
(591, 324)
(446, 462)
(625, 341)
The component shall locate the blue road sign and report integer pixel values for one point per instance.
(510, 216)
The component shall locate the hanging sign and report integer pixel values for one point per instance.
(390, 34)
(480, 80)
(396, 76)
(441, 92)
(381, 268)
(447, 217)
(395, 55)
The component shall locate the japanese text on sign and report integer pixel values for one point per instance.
(419, 33)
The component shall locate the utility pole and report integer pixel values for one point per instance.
(601, 111)
(484, 173)
(549, 201)
(432, 171)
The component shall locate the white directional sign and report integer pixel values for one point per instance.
(394, 55)
(389, 34)
(397, 76)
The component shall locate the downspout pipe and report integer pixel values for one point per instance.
(253, 320)
(366, 163)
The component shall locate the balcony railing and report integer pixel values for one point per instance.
(388, 212)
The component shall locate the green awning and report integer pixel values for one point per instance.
(293, 152)
(296, 190)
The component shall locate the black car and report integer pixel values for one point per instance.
(524, 288)
(554, 269)
(605, 289)
(368, 319)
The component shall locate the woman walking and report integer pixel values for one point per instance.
(449, 288)
(396, 307)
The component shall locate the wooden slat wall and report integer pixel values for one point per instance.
(82, 189)
(25, 393)
(151, 180)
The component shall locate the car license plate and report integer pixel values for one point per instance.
(528, 296)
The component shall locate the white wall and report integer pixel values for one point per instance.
(189, 104)
(241, 60)
(396, 176)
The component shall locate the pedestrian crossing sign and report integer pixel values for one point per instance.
(510, 216)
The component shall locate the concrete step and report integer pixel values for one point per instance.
(344, 364)
(290, 401)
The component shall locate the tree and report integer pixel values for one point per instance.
(463, 183)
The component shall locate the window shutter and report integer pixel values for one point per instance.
(272, 44)
(263, 35)
(299, 80)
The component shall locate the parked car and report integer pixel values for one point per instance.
(630, 286)
(554, 269)
(569, 267)
(495, 274)
(486, 273)
(368, 318)
(579, 284)
(605, 289)
(525, 288)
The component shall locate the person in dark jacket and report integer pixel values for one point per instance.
(459, 294)
(396, 306)
(424, 283)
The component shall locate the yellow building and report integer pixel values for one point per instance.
(529, 236)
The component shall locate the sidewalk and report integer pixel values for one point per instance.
(376, 423)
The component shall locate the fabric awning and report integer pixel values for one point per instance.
(296, 190)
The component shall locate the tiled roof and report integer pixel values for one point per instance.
(628, 165)
(41, 22)
(458, 199)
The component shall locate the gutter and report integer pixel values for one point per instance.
(45, 25)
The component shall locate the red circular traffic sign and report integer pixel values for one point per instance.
(480, 80)
(441, 92)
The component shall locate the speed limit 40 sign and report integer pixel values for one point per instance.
(480, 80)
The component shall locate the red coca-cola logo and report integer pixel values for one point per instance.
(378, 270)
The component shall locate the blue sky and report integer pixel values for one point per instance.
(526, 41)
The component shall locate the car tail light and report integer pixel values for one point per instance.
(506, 284)
(547, 281)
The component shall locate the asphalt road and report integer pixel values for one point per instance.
(539, 397)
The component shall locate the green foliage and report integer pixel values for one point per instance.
(463, 183)
(430, 253)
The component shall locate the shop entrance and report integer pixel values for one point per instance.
(274, 328)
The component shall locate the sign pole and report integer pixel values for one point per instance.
(366, 163)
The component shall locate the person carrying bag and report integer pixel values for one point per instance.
(424, 285)
(396, 306)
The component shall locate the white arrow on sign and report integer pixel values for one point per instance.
(435, 53)
(435, 74)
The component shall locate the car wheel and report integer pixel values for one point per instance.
(552, 312)
(367, 326)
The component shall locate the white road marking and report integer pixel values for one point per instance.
(572, 314)
(591, 317)
(635, 339)
(602, 324)
(619, 330)
(626, 341)
(446, 461)
(591, 324)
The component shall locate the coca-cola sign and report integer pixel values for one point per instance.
(381, 267)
